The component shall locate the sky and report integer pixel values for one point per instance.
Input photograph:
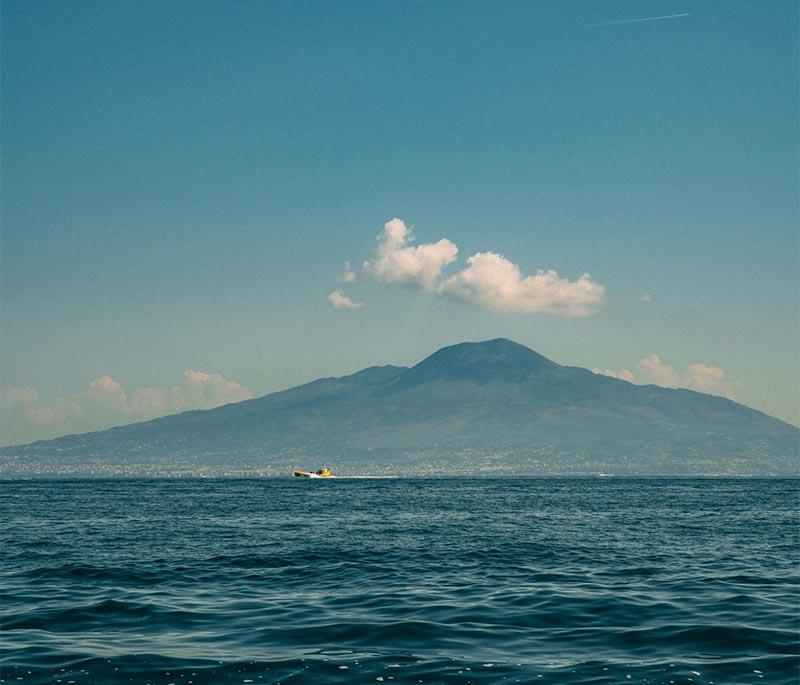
(204, 202)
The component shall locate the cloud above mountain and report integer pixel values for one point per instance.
(339, 300)
(104, 402)
(489, 280)
(651, 369)
(622, 374)
(19, 396)
(348, 276)
(396, 262)
(493, 282)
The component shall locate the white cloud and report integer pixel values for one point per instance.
(105, 403)
(64, 410)
(349, 276)
(208, 390)
(41, 415)
(707, 379)
(489, 280)
(106, 384)
(493, 282)
(23, 396)
(157, 401)
(622, 374)
(339, 300)
(657, 372)
(106, 392)
(710, 379)
(394, 262)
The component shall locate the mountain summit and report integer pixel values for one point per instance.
(492, 407)
(493, 360)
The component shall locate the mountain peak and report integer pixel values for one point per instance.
(479, 407)
(496, 359)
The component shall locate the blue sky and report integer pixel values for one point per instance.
(182, 184)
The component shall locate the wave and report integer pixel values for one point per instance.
(585, 581)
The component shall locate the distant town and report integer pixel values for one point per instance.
(467, 462)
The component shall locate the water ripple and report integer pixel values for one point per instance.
(404, 581)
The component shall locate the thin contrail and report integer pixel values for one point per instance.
(636, 21)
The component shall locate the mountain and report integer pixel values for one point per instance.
(493, 407)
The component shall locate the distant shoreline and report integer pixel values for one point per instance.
(105, 479)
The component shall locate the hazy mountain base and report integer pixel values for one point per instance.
(494, 408)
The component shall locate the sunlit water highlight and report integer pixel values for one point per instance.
(400, 581)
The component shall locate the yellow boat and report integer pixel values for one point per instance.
(322, 473)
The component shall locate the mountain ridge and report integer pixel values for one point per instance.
(493, 406)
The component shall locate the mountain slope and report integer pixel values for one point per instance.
(489, 407)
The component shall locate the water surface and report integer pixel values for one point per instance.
(403, 581)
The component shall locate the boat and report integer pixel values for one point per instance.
(321, 473)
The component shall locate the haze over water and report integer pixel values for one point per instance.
(407, 581)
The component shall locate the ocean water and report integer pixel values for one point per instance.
(400, 581)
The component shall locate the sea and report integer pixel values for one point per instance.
(419, 580)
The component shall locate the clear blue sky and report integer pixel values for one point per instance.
(182, 183)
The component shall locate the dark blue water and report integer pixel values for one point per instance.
(401, 581)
